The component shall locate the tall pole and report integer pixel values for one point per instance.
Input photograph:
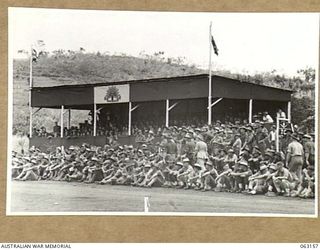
(30, 89)
(61, 121)
(277, 133)
(289, 111)
(167, 113)
(94, 119)
(250, 111)
(210, 79)
(69, 118)
(129, 119)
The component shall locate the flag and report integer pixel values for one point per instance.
(35, 55)
(37, 50)
(215, 48)
(40, 43)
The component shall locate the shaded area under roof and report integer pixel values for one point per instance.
(156, 89)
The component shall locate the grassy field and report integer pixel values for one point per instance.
(50, 196)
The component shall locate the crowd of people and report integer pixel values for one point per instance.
(111, 125)
(224, 157)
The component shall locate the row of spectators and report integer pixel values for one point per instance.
(230, 157)
(112, 127)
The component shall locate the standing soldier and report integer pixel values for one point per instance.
(294, 158)
(272, 137)
(237, 145)
(56, 129)
(171, 149)
(309, 150)
(189, 147)
(201, 151)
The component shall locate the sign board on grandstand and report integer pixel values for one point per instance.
(111, 94)
(282, 125)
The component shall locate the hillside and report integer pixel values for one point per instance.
(78, 68)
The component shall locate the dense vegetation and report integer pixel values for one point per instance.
(76, 67)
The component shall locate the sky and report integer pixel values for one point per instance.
(248, 42)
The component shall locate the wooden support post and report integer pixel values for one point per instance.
(95, 119)
(61, 121)
(250, 111)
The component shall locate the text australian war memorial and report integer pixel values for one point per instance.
(156, 102)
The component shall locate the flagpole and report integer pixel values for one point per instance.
(30, 88)
(210, 83)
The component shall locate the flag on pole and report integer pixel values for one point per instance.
(36, 53)
(214, 45)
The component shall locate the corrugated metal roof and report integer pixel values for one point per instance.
(186, 77)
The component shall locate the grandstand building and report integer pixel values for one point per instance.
(163, 99)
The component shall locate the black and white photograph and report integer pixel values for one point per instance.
(162, 113)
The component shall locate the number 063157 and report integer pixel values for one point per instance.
(309, 245)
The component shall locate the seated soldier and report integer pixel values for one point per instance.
(85, 170)
(75, 174)
(223, 180)
(254, 161)
(282, 180)
(166, 165)
(209, 176)
(17, 167)
(272, 169)
(184, 172)
(46, 175)
(54, 169)
(126, 177)
(306, 189)
(194, 178)
(43, 166)
(29, 171)
(257, 182)
(173, 171)
(141, 175)
(268, 158)
(137, 173)
(119, 175)
(111, 173)
(241, 176)
(106, 167)
(155, 177)
(220, 160)
(63, 171)
(94, 172)
(231, 158)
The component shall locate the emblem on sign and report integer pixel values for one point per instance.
(112, 94)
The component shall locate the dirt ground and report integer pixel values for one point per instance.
(50, 196)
